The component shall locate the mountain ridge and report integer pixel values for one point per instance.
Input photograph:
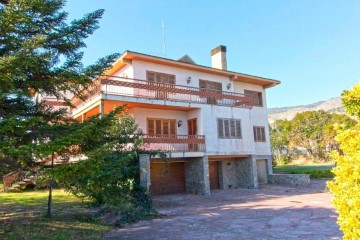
(333, 105)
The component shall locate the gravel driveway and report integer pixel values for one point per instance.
(272, 212)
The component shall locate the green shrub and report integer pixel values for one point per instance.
(320, 174)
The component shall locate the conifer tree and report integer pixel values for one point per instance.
(40, 54)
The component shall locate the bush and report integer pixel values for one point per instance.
(316, 174)
(346, 184)
(109, 177)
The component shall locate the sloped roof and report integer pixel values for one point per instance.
(128, 56)
(186, 59)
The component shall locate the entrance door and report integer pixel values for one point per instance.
(214, 175)
(192, 131)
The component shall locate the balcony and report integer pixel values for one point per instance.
(152, 90)
(174, 143)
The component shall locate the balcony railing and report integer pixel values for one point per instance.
(153, 90)
(174, 143)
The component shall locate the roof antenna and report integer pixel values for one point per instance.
(163, 31)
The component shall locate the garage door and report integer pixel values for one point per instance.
(167, 180)
(214, 175)
(261, 171)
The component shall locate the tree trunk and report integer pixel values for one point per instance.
(49, 208)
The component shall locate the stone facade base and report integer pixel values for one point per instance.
(238, 173)
(197, 176)
(289, 179)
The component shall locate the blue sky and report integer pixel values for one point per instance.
(312, 46)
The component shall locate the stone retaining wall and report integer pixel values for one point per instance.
(289, 179)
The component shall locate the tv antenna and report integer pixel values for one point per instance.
(163, 32)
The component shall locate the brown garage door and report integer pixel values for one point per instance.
(214, 175)
(167, 181)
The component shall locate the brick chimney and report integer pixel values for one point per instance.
(218, 58)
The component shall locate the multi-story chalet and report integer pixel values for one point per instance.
(213, 121)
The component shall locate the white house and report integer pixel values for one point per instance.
(213, 121)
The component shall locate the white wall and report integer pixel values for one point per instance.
(126, 71)
(208, 114)
(215, 145)
(180, 74)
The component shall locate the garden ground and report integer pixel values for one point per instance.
(22, 217)
(272, 212)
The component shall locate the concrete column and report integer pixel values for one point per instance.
(254, 179)
(206, 188)
(144, 160)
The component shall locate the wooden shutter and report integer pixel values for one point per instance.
(257, 97)
(172, 79)
(150, 76)
(227, 128)
(232, 128)
(220, 128)
(158, 127)
(219, 87)
(158, 78)
(262, 134)
(202, 84)
(172, 127)
(165, 128)
(238, 128)
(259, 134)
(151, 127)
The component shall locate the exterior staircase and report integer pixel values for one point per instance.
(17, 181)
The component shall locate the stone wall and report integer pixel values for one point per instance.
(289, 179)
(197, 176)
(246, 172)
(227, 174)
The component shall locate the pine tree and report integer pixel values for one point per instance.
(40, 53)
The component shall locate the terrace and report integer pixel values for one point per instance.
(119, 86)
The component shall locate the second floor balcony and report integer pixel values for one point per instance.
(112, 85)
(173, 143)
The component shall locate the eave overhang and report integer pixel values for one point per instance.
(128, 56)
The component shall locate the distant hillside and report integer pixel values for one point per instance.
(333, 105)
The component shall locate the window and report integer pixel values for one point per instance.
(209, 85)
(161, 126)
(158, 80)
(259, 134)
(257, 97)
(229, 128)
(160, 77)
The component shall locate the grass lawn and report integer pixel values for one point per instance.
(315, 171)
(22, 217)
